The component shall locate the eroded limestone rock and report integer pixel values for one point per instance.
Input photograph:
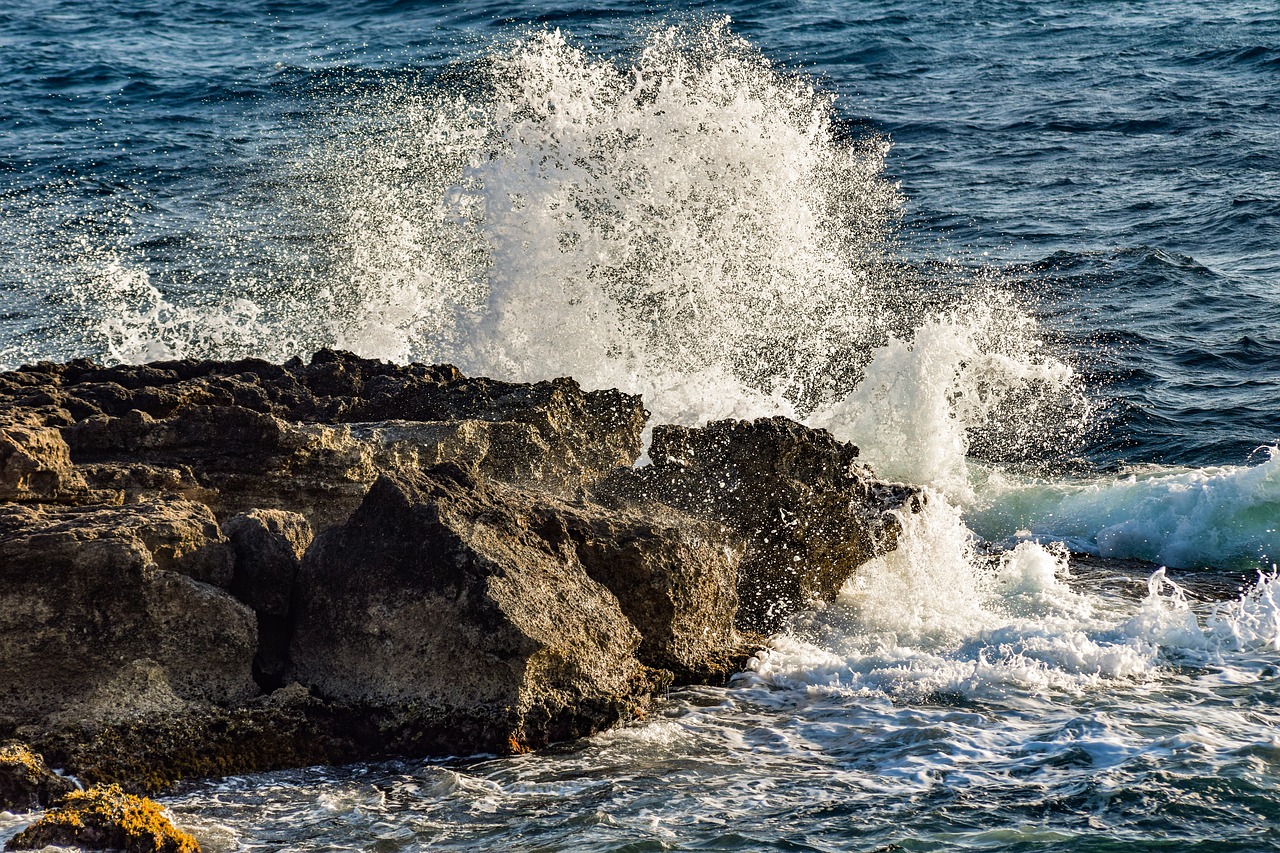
(88, 592)
(445, 597)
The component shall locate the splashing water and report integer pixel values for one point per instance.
(692, 214)
(691, 225)
(932, 619)
(982, 369)
(688, 223)
(691, 222)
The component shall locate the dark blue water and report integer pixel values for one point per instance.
(210, 178)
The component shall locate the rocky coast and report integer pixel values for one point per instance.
(212, 567)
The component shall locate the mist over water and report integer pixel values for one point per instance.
(682, 215)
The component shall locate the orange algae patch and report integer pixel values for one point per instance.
(106, 818)
(18, 755)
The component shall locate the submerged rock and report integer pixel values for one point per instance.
(106, 819)
(26, 782)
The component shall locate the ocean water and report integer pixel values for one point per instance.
(1026, 254)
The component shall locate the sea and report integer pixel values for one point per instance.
(1024, 253)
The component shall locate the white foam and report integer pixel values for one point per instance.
(933, 618)
(1222, 516)
(687, 224)
(961, 371)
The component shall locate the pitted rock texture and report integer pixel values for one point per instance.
(86, 593)
(809, 511)
(26, 782)
(470, 601)
(105, 818)
(306, 438)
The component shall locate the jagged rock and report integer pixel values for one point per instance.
(464, 603)
(26, 782)
(147, 753)
(180, 536)
(490, 573)
(86, 593)
(809, 512)
(35, 462)
(106, 819)
(268, 546)
(312, 438)
(675, 578)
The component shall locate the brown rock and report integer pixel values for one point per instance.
(106, 819)
(675, 578)
(35, 462)
(310, 438)
(444, 596)
(85, 599)
(26, 782)
(808, 510)
(269, 544)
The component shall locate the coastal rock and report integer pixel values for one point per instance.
(675, 578)
(89, 593)
(308, 438)
(35, 462)
(106, 819)
(145, 753)
(488, 570)
(26, 782)
(809, 512)
(268, 546)
(449, 598)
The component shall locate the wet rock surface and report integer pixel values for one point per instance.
(222, 567)
(809, 512)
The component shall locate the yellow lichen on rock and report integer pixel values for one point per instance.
(106, 818)
(20, 755)
(25, 782)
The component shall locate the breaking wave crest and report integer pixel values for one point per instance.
(690, 222)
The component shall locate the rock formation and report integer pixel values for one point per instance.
(105, 819)
(808, 511)
(26, 782)
(213, 567)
